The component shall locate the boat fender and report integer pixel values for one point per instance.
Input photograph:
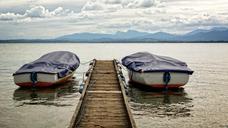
(120, 68)
(126, 91)
(122, 77)
(33, 78)
(117, 62)
(125, 87)
(87, 73)
(81, 87)
(166, 78)
(91, 63)
(120, 73)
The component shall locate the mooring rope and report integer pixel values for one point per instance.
(87, 62)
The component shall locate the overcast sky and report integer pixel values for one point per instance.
(53, 18)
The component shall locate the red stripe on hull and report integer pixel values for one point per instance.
(46, 84)
(159, 85)
(38, 84)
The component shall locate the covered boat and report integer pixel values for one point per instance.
(156, 71)
(52, 68)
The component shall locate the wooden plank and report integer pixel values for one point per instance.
(104, 92)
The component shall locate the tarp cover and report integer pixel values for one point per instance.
(60, 62)
(147, 62)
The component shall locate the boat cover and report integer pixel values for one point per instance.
(60, 62)
(147, 62)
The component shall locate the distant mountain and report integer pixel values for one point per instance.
(214, 34)
(129, 34)
(196, 32)
(84, 36)
(159, 36)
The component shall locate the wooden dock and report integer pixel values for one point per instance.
(103, 103)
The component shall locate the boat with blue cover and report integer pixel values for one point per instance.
(156, 71)
(50, 69)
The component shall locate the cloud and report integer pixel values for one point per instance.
(10, 16)
(113, 1)
(12, 3)
(140, 3)
(94, 5)
(38, 11)
(35, 12)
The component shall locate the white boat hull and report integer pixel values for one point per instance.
(155, 79)
(43, 79)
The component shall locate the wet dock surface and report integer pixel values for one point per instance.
(103, 101)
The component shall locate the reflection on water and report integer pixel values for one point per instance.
(44, 96)
(159, 103)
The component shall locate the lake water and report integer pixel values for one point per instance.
(202, 103)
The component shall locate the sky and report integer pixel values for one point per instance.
(45, 19)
